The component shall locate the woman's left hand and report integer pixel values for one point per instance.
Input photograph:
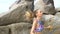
(49, 26)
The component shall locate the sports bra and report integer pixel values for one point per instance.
(40, 27)
(40, 22)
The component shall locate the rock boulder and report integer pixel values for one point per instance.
(20, 28)
(17, 15)
(47, 6)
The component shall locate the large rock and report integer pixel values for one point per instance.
(17, 15)
(54, 21)
(4, 30)
(21, 2)
(20, 28)
(57, 14)
(47, 6)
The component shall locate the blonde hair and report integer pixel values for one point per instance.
(29, 14)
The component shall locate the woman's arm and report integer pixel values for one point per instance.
(48, 26)
(33, 26)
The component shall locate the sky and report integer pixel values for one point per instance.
(5, 4)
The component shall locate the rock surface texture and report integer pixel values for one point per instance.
(4, 30)
(17, 14)
(17, 22)
(47, 6)
(20, 28)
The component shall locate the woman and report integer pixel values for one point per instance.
(38, 24)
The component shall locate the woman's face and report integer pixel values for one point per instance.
(39, 13)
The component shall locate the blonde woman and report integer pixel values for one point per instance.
(38, 25)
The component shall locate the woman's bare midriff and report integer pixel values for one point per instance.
(38, 33)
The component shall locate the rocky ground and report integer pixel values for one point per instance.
(15, 22)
